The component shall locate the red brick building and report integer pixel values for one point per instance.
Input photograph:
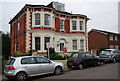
(103, 39)
(36, 25)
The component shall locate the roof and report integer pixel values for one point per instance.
(104, 32)
(43, 6)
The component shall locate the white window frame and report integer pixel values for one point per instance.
(82, 48)
(111, 37)
(116, 38)
(39, 43)
(49, 19)
(74, 45)
(83, 25)
(33, 19)
(18, 26)
(116, 47)
(75, 25)
(63, 25)
(111, 46)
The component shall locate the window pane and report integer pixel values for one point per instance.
(61, 24)
(89, 55)
(74, 44)
(46, 40)
(81, 44)
(28, 61)
(37, 43)
(74, 25)
(111, 46)
(116, 38)
(37, 19)
(42, 60)
(111, 37)
(47, 19)
(81, 25)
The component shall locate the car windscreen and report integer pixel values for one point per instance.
(10, 61)
(75, 55)
(106, 52)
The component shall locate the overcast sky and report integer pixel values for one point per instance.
(103, 14)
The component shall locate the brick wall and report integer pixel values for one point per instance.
(18, 36)
(97, 40)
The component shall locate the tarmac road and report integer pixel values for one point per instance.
(105, 71)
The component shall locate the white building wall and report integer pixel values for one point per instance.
(56, 36)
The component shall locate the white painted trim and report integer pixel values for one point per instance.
(77, 25)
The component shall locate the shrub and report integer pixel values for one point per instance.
(18, 53)
(57, 57)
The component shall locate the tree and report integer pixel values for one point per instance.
(6, 45)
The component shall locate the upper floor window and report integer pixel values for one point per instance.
(116, 38)
(37, 43)
(81, 44)
(37, 18)
(74, 42)
(47, 19)
(74, 27)
(61, 24)
(111, 37)
(81, 25)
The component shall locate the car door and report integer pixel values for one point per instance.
(29, 65)
(44, 65)
(115, 54)
(84, 59)
(118, 54)
(90, 59)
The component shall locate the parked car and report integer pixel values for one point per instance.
(20, 68)
(110, 55)
(81, 60)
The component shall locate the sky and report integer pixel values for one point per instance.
(103, 14)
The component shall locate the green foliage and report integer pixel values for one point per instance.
(57, 57)
(51, 51)
(6, 45)
(18, 54)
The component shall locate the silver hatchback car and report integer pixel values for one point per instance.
(110, 55)
(20, 68)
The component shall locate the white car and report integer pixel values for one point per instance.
(21, 68)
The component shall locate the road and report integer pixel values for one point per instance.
(105, 71)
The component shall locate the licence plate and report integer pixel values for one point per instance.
(103, 55)
(69, 63)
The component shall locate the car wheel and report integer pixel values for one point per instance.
(21, 76)
(114, 60)
(58, 70)
(69, 67)
(80, 66)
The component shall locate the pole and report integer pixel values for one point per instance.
(48, 46)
